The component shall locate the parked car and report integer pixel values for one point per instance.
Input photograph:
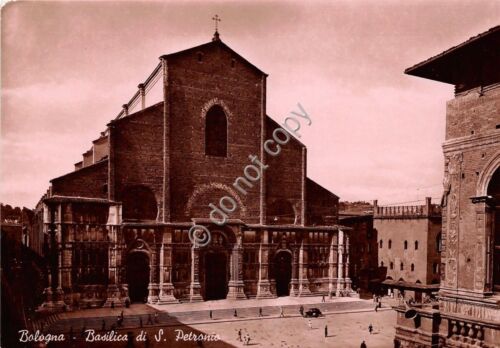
(313, 313)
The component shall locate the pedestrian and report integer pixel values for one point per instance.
(235, 313)
(157, 320)
(370, 328)
(374, 298)
(323, 298)
(380, 304)
(103, 326)
(260, 311)
(363, 345)
(301, 310)
(282, 314)
(326, 331)
(119, 321)
(140, 321)
(239, 335)
(210, 313)
(310, 324)
(150, 319)
(376, 307)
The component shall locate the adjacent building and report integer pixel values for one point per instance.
(409, 247)
(468, 312)
(116, 228)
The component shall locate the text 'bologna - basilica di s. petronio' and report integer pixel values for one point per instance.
(116, 228)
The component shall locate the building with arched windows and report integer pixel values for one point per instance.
(116, 228)
(467, 313)
(408, 243)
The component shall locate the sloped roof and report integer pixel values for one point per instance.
(442, 66)
(215, 42)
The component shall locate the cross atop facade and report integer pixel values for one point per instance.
(216, 19)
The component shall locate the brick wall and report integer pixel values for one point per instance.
(138, 151)
(86, 182)
(198, 179)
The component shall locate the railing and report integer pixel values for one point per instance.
(140, 95)
(408, 211)
(464, 332)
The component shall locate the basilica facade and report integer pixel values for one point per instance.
(115, 230)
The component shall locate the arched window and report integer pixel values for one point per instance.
(390, 244)
(406, 244)
(216, 132)
(401, 266)
(412, 267)
(438, 243)
(391, 265)
(416, 245)
(381, 243)
(494, 191)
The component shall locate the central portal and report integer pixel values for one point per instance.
(215, 276)
(283, 273)
(138, 276)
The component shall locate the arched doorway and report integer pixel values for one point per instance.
(283, 272)
(494, 192)
(216, 276)
(138, 276)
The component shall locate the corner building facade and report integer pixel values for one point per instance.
(468, 311)
(116, 228)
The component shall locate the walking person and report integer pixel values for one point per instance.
(239, 335)
(326, 331)
(323, 298)
(260, 311)
(370, 328)
(150, 319)
(376, 307)
(235, 313)
(210, 314)
(282, 314)
(363, 345)
(310, 324)
(156, 318)
(301, 310)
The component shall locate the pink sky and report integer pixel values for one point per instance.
(68, 67)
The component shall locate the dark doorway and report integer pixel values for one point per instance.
(215, 276)
(283, 272)
(138, 276)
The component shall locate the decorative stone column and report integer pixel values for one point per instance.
(332, 267)
(153, 287)
(195, 286)
(303, 279)
(236, 285)
(294, 282)
(263, 284)
(166, 286)
(113, 294)
(340, 270)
